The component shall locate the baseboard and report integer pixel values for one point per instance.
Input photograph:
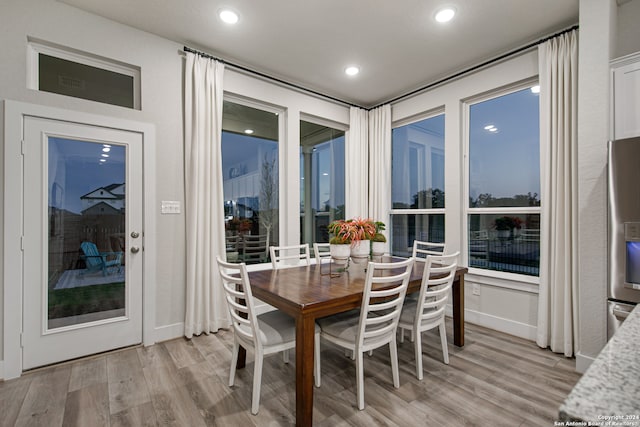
(169, 332)
(2, 370)
(583, 362)
(500, 324)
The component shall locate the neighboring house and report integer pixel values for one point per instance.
(104, 200)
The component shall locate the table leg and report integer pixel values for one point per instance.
(458, 310)
(305, 329)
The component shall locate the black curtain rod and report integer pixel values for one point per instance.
(268, 77)
(475, 67)
(398, 98)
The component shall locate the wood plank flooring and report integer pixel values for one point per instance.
(495, 380)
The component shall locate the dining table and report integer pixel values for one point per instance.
(308, 293)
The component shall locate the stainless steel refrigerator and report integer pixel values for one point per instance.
(624, 230)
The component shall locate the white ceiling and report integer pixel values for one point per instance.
(397, 44)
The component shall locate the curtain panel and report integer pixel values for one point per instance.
(206, 309)
(380, 163)
(558, 298)
(357, 164)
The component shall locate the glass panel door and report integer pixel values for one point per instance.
(83, 240)
(87, 194)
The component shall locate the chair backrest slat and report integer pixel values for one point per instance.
(422, 249)
(321, 250)
(281, 254)
(437, 278)
(235, 282)
(391, 281)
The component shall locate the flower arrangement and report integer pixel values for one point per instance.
(507, 223)
(379, 237)
(351, 231)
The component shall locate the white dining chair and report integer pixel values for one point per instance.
(321, 251)
(423, 248)
(376, 323)
(268, 333)
(427, 311)
(282, 255)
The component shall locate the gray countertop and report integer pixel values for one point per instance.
(609, 391)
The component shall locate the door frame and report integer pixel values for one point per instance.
(12, 255)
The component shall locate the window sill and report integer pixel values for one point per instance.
(498, 279)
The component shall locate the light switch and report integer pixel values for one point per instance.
(170, 207)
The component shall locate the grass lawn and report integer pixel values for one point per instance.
(85, 299)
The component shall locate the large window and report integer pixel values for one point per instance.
(504, 183)
(250, 180)
(321, 180)
(417, 184)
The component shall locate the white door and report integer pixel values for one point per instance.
(82, 247)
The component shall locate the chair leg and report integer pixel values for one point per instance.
(393, 353)
(316, 359)
(413, 335)
(257, 381)
(285, 356)
(234, 361)
(401, 335)
(443, 340)
(418, 351)
(360, 379)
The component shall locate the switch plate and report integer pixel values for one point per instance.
(476, 289)
(170, 207)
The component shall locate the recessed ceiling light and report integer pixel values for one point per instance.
(104, 155)
(535, 89)
(351, 70)
(445, 15)
(228, 16)
(103, 160)
(487, 127)
(106, 149)
(248, 131)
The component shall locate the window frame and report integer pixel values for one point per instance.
(35, 47)
(416, 211)
(283, 174)
(329, 124)
(514, 278)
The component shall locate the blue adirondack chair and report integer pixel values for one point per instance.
(99, 261)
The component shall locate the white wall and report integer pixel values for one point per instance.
(606, 32)
(506, 305)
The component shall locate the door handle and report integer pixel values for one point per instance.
(135, 249)
(619, 313)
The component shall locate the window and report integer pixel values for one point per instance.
(321, 180)
(81, 75)
(417, 184)
(250, 181)
(504, 183)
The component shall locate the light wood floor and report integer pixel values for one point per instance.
(495, 380)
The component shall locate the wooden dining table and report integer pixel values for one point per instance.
(310, 292)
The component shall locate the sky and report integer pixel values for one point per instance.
(76, 170)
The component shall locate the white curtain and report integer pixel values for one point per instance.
(380, 163)
(205, 305)
(357, 164)
(558, 299)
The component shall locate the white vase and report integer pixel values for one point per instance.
(340, 253)
(378, 248)
(360, 251)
